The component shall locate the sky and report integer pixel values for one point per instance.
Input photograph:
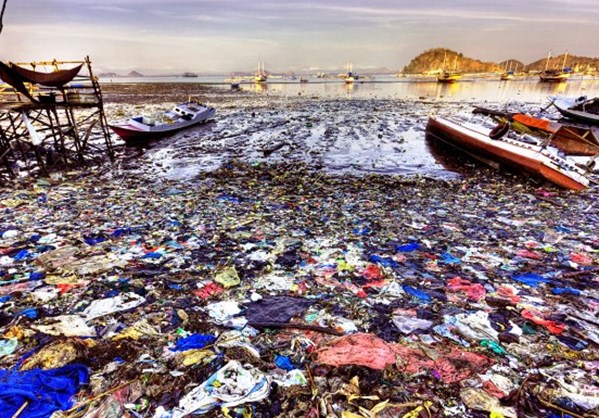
(221, 36)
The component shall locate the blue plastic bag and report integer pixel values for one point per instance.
(412, 291)
(531, 279)
(45, 391)
(193, 341)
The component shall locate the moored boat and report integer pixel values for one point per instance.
(349, 77)
(261, 75)
(540, 161)
(449, 76)
(508, 74)
(555, 75)
(182, 116)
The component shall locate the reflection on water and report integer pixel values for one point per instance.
(446, 89)
(260, 87)
(349, 89)
(528, 90)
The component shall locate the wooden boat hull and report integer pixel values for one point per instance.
(449, 77)
(525, 158)
(554, 77)
(54, 79)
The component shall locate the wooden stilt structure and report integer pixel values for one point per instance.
(65, 128)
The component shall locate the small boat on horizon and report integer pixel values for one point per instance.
(349, 77)
(508, 74)
(494, 147)
(182, 116)
(189, 74)
(261, 75)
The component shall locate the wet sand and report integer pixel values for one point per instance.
(342, 136)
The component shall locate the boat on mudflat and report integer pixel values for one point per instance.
(494, 145)
(579, 109)
(573, 140)
(182, 116)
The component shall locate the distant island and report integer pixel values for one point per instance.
(114, 75)
(431, 62)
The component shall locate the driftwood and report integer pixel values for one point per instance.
(295, 326)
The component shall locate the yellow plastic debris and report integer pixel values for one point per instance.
(228, 277)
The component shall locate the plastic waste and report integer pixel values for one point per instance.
(230, 386)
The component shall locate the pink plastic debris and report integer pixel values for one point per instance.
(357, 349)
(474, 291)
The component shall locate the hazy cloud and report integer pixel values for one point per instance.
(228, 35)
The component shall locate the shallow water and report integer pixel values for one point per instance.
(371, 127)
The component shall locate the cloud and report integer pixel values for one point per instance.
(232, 34)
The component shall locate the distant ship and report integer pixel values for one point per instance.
(189, 74)
(508, 74)
(349, 76)
(449, 76)
(261, 75)
(555, 75)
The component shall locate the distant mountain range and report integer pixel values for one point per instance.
(130, 74)
(428, 62)
(431, 62)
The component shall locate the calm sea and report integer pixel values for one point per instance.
(526, 89)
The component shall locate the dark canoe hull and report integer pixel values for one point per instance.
(55, 79)
(523, 158)
(578, 115)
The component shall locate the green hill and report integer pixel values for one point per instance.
(431, 62)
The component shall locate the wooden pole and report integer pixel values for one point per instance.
(2, 15)
(22, 408)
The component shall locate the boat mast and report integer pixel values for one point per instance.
(547, 63)
(565, 57)
(444, 59)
